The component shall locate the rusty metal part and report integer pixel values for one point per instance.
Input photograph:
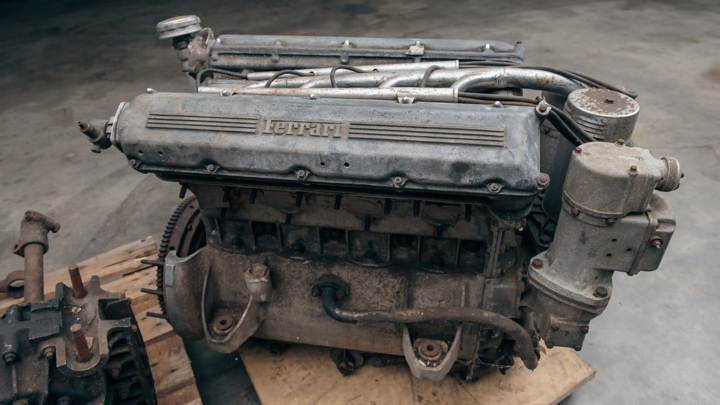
(430, 350)
(32, 245)
(223, 324)
(80, 342)
(13, 284)
(74, 351)
(76, 280)
(347, 361)
(417, 315)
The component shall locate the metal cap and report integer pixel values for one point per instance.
(178, 26)
(604, 114)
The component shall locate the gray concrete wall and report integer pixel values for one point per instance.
(65, 61)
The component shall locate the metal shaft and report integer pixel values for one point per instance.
(79, 290)
(34, 273)
(81, 347)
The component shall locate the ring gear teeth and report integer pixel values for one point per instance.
(176, 235)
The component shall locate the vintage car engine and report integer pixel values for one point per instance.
(392, 197)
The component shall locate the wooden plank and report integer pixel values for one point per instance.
(187, 395)
(170, 365)
(107, 266)
(307, 375)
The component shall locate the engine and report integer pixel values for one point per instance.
(392, 198)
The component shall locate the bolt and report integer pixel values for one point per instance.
(150, 90)
(211, 168)
(301, 174)
(584, 329)
(577, 347)
(133, 163)
(134, 328)
(405, 100)
(609, 100)
(657, 243)
(620, 142)
(9, 357)
(115, 372)
(601, 292)
(79, 290)
(397, 180)
(574, 212)
(578, 150)
(48, 353)
(225, 93)
(542, 180)
(497, 104)
(536, 264)
(81, 346)
(549, 345)
(610, 221)
(555, 326)
(633, 169)
(494, 187)
(313, 97)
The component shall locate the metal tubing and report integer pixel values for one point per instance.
(392, 67)
(516, 77)
(416, 315)
(426, 94)
(34, 273)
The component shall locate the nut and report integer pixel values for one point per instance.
(620, 142)
(577, 347)
(578, 150)
(223, 324)
(536, 264)
(494, 187)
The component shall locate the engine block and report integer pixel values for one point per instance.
(393, 198)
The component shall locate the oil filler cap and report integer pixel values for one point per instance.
(178, 26)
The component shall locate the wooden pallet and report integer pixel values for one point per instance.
(120, 270)
(306, 375)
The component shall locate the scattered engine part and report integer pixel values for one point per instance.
(83, 346)
(393, 197)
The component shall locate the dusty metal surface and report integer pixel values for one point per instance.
(411, 201)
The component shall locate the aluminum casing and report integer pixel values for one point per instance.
(435, 151)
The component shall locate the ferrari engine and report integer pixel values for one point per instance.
(392, 198)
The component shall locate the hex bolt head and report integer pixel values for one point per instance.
(494, 187)
(211, 168)
(601, 292)
(584, 329)
(578, 150)
(610, 221)
(9, 357)
(633, 169)
(301, 174)
(536, 264)
(555, 327)
(549, 345)
(577, 347)
(574, 212)
(620, 142)
(397, 180)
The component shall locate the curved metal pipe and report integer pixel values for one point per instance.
(416, 315)
(516, 77)
(389, 67)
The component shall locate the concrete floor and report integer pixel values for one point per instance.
(65, 61)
